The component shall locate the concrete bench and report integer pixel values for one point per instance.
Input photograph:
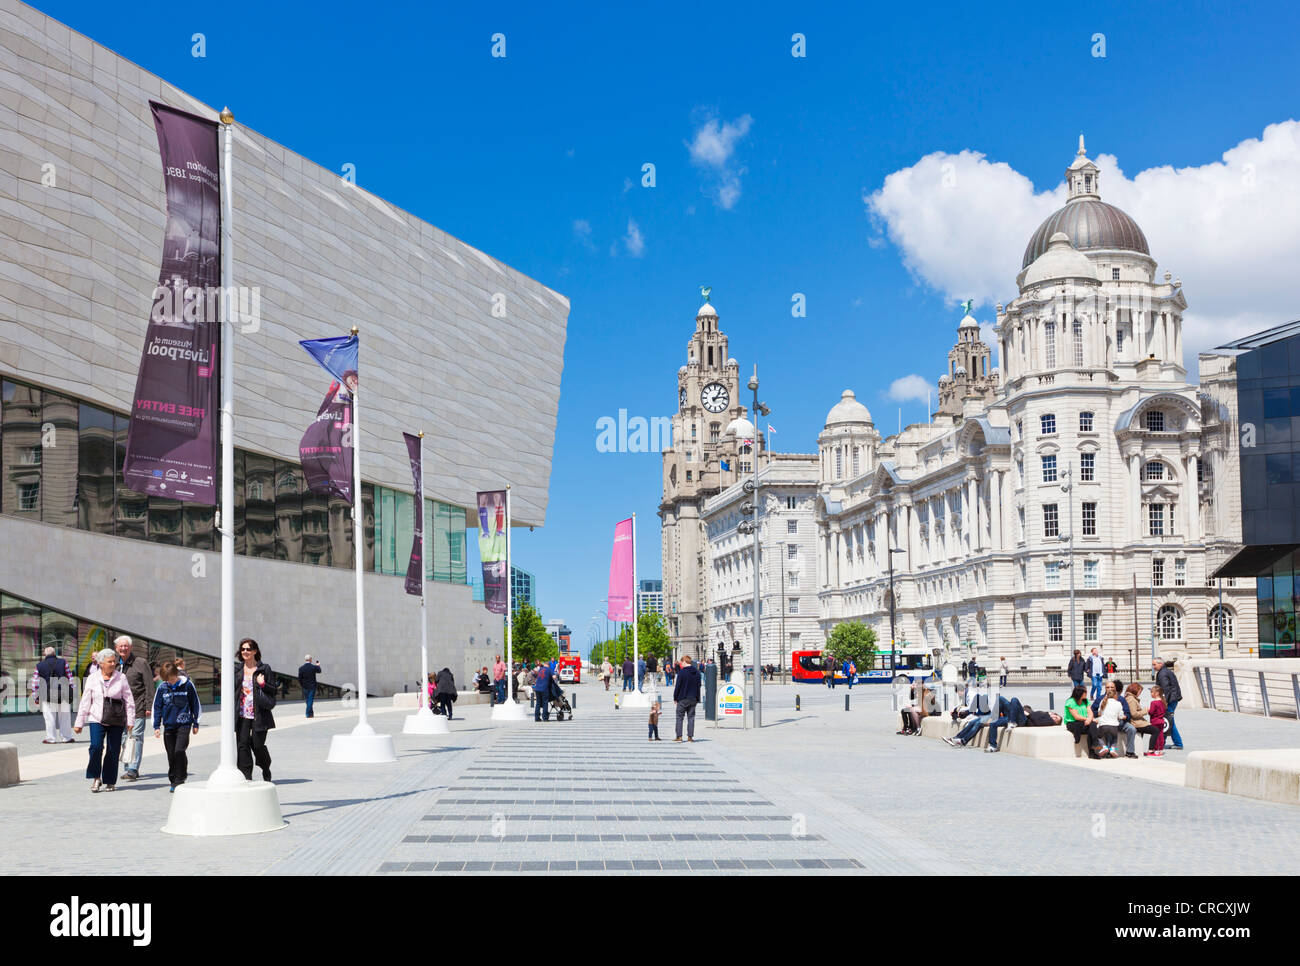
(1027, 742)
(1272, 775)
(8, 764)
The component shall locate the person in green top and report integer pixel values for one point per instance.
(1077, 714)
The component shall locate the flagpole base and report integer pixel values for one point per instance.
(425, 722)
(637, 699)
(217, 807)
(508, 710)
(362, 747)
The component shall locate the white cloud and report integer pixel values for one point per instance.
(715, 141)
(1227, 229)
(633, 240)
(582, 232)
(714, 146)
(910, 387)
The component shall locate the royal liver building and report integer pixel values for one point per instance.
(1087, 460)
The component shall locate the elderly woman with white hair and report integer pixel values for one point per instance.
(108, 705)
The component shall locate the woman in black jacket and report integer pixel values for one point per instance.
(255, 683)
(1077, 669)
(446, 691)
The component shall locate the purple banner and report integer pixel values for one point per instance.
(415, 568)
(326, 448)
(492, 548)
(171, 444)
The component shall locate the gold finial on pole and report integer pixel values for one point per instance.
(227, 117)
(355, 330)
(421, 434)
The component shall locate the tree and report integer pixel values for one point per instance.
(853, 641)
(652, 638)
(530, 639)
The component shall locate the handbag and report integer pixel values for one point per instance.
(113, 714)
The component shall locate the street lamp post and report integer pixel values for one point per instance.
(893, 634)
(1068, 486)
(757, 410)
(780, 562)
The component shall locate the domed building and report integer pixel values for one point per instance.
(1046, 488)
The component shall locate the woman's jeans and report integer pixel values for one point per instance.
(105, 751)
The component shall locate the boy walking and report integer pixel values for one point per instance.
(654, 721)
(175, 717)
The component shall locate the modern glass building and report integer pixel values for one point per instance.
(523, 589)
(1268, 403)
(86, 557)
(650, 597)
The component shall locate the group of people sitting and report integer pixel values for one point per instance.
(1101, 725)
(1112, 716)
(977, 712)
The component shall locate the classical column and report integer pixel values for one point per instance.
(1135, 497)
(969, 518)
(995, 509)
(1192, 500)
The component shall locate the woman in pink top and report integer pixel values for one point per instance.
(107, 703)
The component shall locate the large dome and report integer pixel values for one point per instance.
(1090, 224)
(848, 410)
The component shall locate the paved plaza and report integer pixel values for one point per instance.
(819, 790)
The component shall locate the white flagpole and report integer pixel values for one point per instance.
(510, 589)
(358, 542)
(226, 804)
(637, 698)
(510, 709)
(424, 721)
(226, 772)
(362, 745)
(424, 588)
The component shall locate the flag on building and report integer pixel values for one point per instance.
(415, 567)
(621, 591)
(724, 464)
(327, 449)
(492, 548)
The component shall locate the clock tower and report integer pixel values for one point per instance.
(708, 401)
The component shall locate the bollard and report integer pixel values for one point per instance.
(573, 703)
(1051, 700)
(846, 702)
(532, 697)
(796, 702)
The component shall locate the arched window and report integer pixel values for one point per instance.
(1153, 470)
(1222, 615)
(1169, 623)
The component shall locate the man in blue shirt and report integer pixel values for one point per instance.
(542, 693)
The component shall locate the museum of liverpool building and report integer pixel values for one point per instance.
(84, 557)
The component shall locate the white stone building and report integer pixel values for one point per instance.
(788, 579)
(1089, 454)
(708, 401)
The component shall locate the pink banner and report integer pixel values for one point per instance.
(620, 573)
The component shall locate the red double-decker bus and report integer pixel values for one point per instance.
(569, 668)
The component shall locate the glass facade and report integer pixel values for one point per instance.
(62, 464)
(1276, 596)
(27, 628)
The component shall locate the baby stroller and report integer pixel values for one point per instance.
(559, 703)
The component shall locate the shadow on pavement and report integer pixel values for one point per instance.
(301, 808)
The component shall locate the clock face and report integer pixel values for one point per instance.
(681, 398)
(714, 397)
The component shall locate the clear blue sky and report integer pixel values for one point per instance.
(507, 154)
